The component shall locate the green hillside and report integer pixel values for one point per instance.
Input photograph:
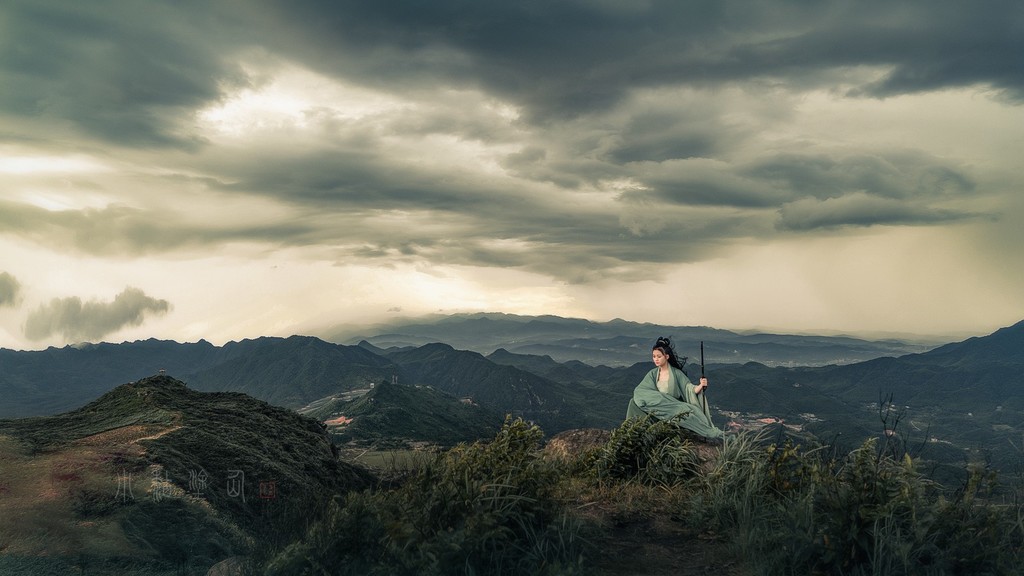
(556, 406)
(154, 476)
(393, 415)
(155, 479)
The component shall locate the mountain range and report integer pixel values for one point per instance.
(289, 372)
(622, 343)
(961, 400)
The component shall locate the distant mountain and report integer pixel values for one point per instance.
(288, 372)
(612, 379)
(35, 383)
(164, 475)
(297, 371)
(619, 342)
(394, 415)
(983, 373)
(294, 371)
(464, 374)
(962, 401)
(1003, 347)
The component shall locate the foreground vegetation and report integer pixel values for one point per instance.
(641, 499)
(504, 507)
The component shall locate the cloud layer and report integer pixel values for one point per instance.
(582, 142)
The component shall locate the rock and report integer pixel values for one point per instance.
(572, 443)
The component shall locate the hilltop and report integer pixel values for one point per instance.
(158, 475)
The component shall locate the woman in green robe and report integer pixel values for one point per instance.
(667, 394)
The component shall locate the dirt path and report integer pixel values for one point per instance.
(159, 434)
(126, 435)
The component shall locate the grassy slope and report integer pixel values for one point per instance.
(141, 475)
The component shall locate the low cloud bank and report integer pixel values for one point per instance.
(77, 321)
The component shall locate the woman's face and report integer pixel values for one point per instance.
(659, 357)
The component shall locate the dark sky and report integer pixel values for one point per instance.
(231, 169)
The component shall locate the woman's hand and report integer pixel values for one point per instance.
(700, 387)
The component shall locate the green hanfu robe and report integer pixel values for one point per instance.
(688, 409)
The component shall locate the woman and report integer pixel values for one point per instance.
(667, 394)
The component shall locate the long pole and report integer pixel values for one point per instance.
(701, 358)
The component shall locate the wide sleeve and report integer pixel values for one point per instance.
(652, 401)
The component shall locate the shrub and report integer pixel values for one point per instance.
(792, 511)
(648, 451)
(478, 509)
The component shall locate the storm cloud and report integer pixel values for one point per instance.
(565, 58)
(575, 142)
(76, 321)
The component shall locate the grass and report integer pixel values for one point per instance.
(477, 509)
(59, 566)
(392, 462)
(750, 507)
(87, 508)
(62, 501)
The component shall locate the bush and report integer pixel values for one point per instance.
(648, 451)
(792, 511)
(478, 509)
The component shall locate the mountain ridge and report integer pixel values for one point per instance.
(619, 342)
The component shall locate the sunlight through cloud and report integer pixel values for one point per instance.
(293, 98)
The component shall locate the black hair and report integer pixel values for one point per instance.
(665, 346)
